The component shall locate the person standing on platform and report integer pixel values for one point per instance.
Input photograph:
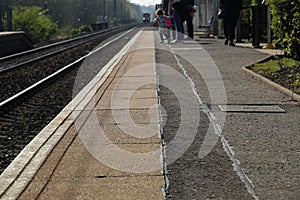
(162, 23)
(165, 7)
(188, 16)
(232, 10)
(176, 7)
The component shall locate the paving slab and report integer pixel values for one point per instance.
(251, 108)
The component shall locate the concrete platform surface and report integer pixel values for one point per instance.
(117, 157)
(167, 121)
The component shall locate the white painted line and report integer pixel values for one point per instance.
(218, 131)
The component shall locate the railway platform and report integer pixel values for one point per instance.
(160, 121)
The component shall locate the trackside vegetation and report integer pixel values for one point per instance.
(286, 25)
(34, 22)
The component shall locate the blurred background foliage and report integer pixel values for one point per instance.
(44, 20)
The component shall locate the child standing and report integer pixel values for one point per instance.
(162, 23)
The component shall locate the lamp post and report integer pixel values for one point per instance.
(85, 13)
(269, 45)
(215, 17)
(103, 10)
(115, 12)
(45, 4)
(46, 7)
(5, 14)
(1, 24)
(121, 13)
(9, 18)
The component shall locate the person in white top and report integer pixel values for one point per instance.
(161, 19)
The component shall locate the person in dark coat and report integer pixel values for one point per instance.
(232, 9)
(188, 16)
(176, 7)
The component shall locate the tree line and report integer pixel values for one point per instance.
(78, 13)
(51, 19)
(85, 12)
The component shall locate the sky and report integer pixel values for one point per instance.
(146, 2)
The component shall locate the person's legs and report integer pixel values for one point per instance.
(178, 25)
(173, 33)
(226, 30)
(167, 34)
(232, 25)
(190, 26)
(161, 36)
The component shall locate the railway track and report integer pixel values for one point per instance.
(19, 71)
(11, 61)
(36, 91)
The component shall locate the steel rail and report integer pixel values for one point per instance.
(26, 91)
(89, 39)
(43, 56)
(57, 44)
